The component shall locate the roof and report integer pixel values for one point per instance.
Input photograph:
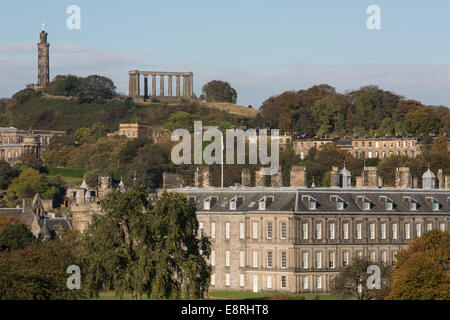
(292, 199)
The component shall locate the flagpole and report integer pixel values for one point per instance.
(221, 135)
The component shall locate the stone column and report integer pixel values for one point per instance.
(170, 86)
(130, 86)
(153, 85)
(161, 85)
(137, 88)
(178, 85)
(145, 87)
(185, 86)
(191, 85)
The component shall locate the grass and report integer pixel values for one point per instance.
(245, 295)
(233, 109)
(236, 295)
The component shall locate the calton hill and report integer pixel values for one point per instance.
(123, 251)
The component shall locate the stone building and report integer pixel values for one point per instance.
(14, 142)
(296, 239)
(85, 201)
(363, 147)
(36, 213)
(43, 62)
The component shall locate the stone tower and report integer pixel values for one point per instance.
(43, 60)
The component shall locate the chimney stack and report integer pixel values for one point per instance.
(370, 177)
(298, 176)
(403, 178)
(276, 180)
(334, 177)
(260, 180)
(246, 177)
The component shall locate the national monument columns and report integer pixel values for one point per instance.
(134, 84)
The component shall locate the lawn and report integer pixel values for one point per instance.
(236, 295)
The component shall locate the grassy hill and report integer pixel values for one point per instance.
(233, 109)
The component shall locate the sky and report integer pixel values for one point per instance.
(261, 47)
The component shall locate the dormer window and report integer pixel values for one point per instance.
(232, 205)
(312, 204)
(412, 205)
(340, 205)
(364, 203)
(209, 202)
(389, 205)
(367, 205)
(235, 202)
(435, 206)
(263, 202)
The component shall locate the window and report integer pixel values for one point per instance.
(227, 279)
(283, 260)
(442, 227)
(242, 259)
(201, 228)
(283, 230)
(372, 231)
(407, 231)
(213, 230)
(305, 231)
(262, 205)
(418, 229)
(372, 256)
(255, 259)
(305, 260)
(269, 230)
(241, 280)
(319, 260)
(206, 205)
(305, 283)
(318, 282)
(394, 253)
(283, 282)
(389, 205)
(232, 205)
(339, 205)
(332, 231)
(435, 206)
(227, 258)
(331, 256)
(227, 230)
(366, 205)
(394, 231)
(269, 259)
(345, 230)
(241, 230)
(345, 258)
(383, 230)
(412, 205)
(429, 227)
(213, 258)
(318, 231)
(383, 256)
(213, 279)
(377, 144)
(269, 282)
(312, 204)
(359, 231)
(255, 230)
(359, 254)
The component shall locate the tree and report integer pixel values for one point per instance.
(180, 120)
(351, 283)
(98, 87)
(31, 160)
(421, 272)
(38, 272)
(219, 91)
(135, 247)
(15, 236)
(66, 85)
(6, 174)
(7, 220)
(27, 184)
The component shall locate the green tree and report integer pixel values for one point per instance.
(15, 236)
(219, 91)
(421, 272)
(6, 174)
(154, 251)
(27, 184)
(180, 120)
(351, 282)
(31, 160)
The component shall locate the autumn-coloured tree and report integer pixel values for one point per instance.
(422, 271)
(219, 91)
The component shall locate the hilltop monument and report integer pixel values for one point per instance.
(43, 59)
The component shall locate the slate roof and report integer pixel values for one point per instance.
(291, 199)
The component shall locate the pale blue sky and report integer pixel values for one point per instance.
(262, 47)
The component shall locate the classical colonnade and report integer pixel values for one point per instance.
(135, 86)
